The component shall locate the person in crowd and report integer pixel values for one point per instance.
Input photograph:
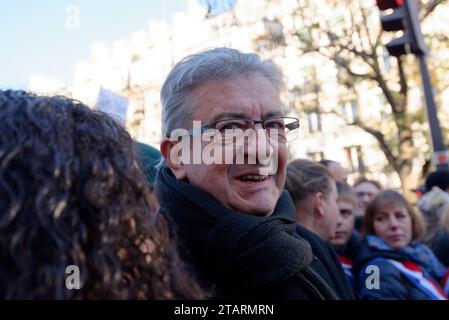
(338, 172)
(346, 240)
(438, 179)
(77, 219)
(434, 205)
(234, 222)
(440, 241)
(364, 190)
(314, 194)
(148, 158)
(392, 262)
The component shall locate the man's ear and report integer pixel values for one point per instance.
(318, 204)
(172, 153)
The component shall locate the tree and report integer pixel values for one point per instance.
(354, 42)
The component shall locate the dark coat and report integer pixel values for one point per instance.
(440, 245)
(352, 248)
(328, 264)
(348, 253)
(239, 256)
(393, 285)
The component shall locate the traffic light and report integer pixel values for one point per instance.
(404, 17)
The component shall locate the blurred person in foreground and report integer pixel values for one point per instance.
(407, 268)
(71, 194)
(235, 223)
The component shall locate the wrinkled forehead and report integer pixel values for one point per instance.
(243, 96)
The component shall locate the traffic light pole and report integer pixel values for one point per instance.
(439, 148)
(405, 17)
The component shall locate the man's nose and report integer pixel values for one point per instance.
(259, 146)
(339, 220)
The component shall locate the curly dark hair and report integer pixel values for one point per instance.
(71, 193)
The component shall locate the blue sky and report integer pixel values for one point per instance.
(35, 39)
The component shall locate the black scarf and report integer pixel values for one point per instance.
(240, 250)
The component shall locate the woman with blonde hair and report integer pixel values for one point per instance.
(393, 263)
(434, 205)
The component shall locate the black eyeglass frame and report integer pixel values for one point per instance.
(252, 123)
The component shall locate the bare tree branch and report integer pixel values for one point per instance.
(345, 65)
(368, 34)
(382, 144)
(403, 86)
(429, 7)
(355, 48)
(378, 135)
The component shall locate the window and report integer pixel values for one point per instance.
(316, 155)
(349, 111)
(354, 157)
(386, 59)
(314, 121)
(384, 111)
(342, 75)
(354, 110)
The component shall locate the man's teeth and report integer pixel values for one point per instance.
(253, 177)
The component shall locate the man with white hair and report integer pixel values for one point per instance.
(221, 184)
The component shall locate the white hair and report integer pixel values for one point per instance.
(194, 70)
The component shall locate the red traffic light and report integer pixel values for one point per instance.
(389, 4)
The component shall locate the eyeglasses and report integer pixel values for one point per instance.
(284, 129)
